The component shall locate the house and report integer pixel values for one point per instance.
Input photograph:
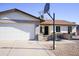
(61, 26)
(18, 25)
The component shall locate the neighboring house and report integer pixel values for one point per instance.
(18, 25)
(61, 26)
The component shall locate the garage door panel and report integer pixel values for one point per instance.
(16, 32)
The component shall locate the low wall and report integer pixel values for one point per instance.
(77, 32)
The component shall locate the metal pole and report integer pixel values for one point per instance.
(53, 18)
(53, 31)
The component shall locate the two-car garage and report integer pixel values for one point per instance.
(17, 31)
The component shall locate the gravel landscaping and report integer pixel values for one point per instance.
(64, 48)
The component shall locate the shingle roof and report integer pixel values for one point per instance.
(57, 22)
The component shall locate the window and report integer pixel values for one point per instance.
(57, 28)
(40, 29)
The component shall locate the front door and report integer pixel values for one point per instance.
(46, 30)
(69, 29)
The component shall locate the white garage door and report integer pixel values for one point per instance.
(16, 31)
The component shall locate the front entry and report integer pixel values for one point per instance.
(46, 30)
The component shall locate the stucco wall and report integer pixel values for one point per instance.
(63, 29)
(17, 16)
(74, 29)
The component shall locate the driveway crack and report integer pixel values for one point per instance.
(10, 49)
(44, 49)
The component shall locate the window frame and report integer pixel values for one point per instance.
(58, 29)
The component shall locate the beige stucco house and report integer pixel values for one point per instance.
(18, 25)
(61, 26)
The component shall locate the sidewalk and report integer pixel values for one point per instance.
(23, 48)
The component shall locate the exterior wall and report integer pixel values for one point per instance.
(17, 31)
(43, 28)
(74, 29)
(50, 29)
(17, 16)
(37, 30)
(63, 29)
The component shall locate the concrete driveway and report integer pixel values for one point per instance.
(23, 48)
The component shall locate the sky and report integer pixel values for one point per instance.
(63, 11)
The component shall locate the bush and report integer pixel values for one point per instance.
(58, 37)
